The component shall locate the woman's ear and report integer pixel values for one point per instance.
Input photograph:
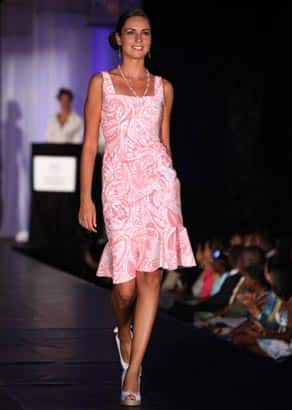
(118, 39)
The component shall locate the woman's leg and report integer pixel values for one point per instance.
(148, 292)
(123, 296)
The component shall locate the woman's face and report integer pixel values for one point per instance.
(245, 260)
(236, 239)
(249, 240)
(218, 266)
(135, 38)
(207, 253)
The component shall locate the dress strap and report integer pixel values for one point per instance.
(159, 89)
(108, 86)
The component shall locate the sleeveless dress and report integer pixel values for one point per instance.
(140, 189)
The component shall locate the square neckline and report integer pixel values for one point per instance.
(132, 96)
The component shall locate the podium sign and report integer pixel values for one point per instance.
(52, 173)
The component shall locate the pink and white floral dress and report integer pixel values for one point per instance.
(140, 189)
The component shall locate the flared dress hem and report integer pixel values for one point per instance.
(171, 253)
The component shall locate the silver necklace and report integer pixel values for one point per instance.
(129, 85)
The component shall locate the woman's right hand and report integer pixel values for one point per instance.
(87, 215)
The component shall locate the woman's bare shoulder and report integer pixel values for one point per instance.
(167, 85)
(167, 89)
(96, 79)
(95, 83)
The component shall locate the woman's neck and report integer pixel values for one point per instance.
(133, 68)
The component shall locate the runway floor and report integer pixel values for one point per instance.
(57, 352)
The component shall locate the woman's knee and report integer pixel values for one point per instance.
(125, 293)
(150, 279)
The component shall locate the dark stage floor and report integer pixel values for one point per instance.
(57, 352)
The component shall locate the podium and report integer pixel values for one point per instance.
(55, 196)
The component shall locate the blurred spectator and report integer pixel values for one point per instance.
(221, 266)
(252, 256)
(249, 239)
(258, 335)
(242, 259)
(236, 239)
(249, 297)
(202, 287)
(278, 273)
(234, 258)
(65, 126)
(265, 241)
(170, 279)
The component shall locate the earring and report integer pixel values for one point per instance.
(119, 53)
(149, 54)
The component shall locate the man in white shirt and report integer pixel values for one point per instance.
(65, 126)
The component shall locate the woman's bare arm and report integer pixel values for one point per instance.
(92, 114)
(166, 116)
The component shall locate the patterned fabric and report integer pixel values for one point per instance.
(140, 189)
(272, 304)
(277, 349)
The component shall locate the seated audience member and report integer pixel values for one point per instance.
(265, 241)
(261, 302)
(187, 310)
(184, 310)
(170, 279)
(284, 247)
(236, 239)
(222, 268)
(258, 303)
(249, 256)
(251, 299)
(202, 287)
(208, 275)
(249, 239)
(234, 258)
(275, 343)
(65, 126)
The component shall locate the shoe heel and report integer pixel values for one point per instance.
(124, 400)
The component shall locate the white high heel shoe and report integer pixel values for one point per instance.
(125, 400)
(124, 364)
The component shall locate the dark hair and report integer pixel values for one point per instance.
(222, 258)
(281, 271)
(65, 91)
(266, 239)
(121, 22)
(234, 254)
(256, 256)
(256, 273)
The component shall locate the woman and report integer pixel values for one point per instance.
(259, 335)
(140, 193)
